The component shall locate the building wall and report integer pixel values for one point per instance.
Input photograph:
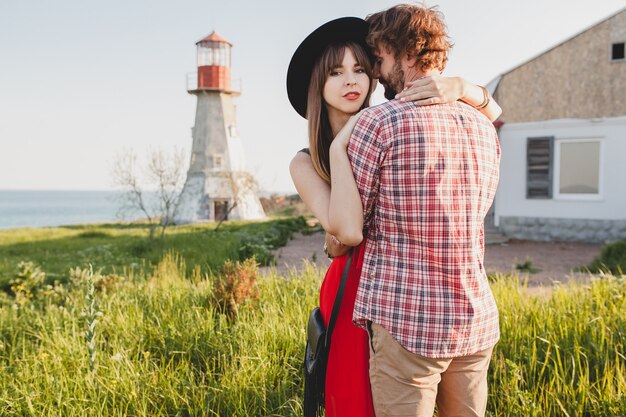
(209, 132)
(576, 79)
(545, 219)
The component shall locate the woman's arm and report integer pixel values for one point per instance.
(437, 89)
(315, 193)
(337, 207)
(345, 211)
(313, 190)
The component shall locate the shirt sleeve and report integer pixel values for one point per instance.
(366, 153)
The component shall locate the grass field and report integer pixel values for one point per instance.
(124, 248)
(154, 343)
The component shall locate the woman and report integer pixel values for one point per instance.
(330, 80)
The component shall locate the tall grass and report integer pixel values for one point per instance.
(561, 354)
(163, 349)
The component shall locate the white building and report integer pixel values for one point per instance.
(563, 140)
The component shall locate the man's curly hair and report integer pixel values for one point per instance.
(416, 31)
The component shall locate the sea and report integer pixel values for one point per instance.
(57, 208)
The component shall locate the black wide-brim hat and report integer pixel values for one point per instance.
(301, 66)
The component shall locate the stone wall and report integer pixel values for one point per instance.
(546, 229)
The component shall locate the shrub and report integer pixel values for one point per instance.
(84, 278)
(257, 248)
(236, 285)
(527, 266)
(28, 280)
(612, 259)
(29, 286)
(260, 246)
(282, 232)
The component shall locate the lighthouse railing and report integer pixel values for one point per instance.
(192, 82)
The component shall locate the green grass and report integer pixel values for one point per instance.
(125, 248)
(163, 349)
(562, 354)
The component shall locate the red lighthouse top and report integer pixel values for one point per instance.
(213, 55)
(214, 37)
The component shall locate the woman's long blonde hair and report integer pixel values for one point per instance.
(320, 132)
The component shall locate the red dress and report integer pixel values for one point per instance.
(348, 392)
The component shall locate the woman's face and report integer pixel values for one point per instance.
(346, 86)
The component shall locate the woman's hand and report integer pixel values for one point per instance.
(335, 248)
(344, 134)
(434, 89)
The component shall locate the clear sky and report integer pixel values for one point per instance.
(83, 80)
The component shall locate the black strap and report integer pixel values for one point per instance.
(338, 297)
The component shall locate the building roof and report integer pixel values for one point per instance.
(214, 37)
(494, 83)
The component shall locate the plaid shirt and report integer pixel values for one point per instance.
(427, 177)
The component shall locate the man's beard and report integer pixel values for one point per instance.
(390, 93)
(394, 82)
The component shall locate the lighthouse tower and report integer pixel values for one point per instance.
(217, 186)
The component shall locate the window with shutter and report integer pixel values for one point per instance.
(539, 167)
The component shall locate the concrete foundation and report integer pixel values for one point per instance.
(579, 230)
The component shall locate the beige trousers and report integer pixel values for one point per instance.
(406, 384)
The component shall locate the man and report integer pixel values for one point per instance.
(427, 177)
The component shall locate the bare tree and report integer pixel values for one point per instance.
(153, 188)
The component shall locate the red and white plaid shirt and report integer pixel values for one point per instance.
(427, 177)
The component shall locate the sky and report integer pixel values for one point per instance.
(82, 81)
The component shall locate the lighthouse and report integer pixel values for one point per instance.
(217, 186)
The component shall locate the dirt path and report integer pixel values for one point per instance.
(300, 249)
(554, 260)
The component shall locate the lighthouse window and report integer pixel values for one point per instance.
(213, 53)
(232, 131)
(217, 161)
(204, 56)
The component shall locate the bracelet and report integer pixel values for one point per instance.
(486, 98)
(326, 251)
